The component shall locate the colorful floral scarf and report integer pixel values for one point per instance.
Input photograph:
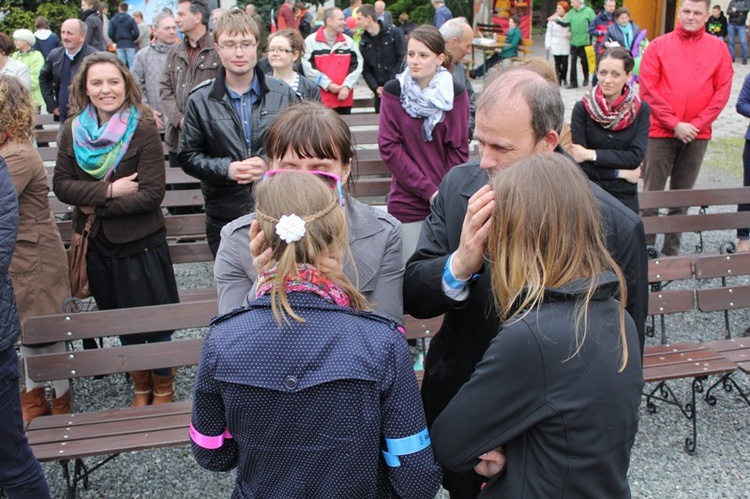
(308, 280)
(613, 117)
(430, 103)
(99, 149)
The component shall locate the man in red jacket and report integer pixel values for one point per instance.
(686, 77)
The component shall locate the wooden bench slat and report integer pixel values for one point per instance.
(687, 346)
(709, 266)
(111, 445)
(671, 301)
(124, 321)
(84, 363)
(111, 428)
(670, 359)
(719, 299)
(693, 197)
(688, 370)
(670, 268)
(696, 223)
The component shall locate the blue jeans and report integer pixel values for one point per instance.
(739, 31)
(127, 56)
(744, 233)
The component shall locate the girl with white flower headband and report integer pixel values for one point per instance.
(303, 391)
(312, 138)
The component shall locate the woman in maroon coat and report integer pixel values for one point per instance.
(423, 130)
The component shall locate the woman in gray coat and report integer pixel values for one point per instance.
(310, 137)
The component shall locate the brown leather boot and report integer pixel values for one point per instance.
(33, 404)
(163, 388)
(61, 404)
(143, 386)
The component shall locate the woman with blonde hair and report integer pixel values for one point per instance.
(554, 402)
(110, 163)
(39, 269)
(303, 391)
(285, 48)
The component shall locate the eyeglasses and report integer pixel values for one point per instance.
(330, 179)
(278, 50)
(245, 46)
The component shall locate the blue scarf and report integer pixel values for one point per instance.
(99, 149)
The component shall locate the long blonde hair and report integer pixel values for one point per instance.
(311, 199)
(545, 233)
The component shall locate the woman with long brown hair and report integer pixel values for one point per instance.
(423, 130)
(555, 399)
(110, 163)
(39, 268)
(302, 389)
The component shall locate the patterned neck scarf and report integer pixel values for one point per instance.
(430, 103)
(308, 280)
(99, 149)
(613, 117)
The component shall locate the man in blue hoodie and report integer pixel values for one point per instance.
(123, 31)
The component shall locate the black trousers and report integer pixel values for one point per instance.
(561, 68)
(575, 54)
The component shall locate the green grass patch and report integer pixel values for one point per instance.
(724, 157)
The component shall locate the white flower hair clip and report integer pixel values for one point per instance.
(290, 228)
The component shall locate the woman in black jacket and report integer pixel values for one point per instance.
(610, 129)
(554, 401)
(94, 25)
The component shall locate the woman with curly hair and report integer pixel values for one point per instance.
(39, 269)
(110, 162)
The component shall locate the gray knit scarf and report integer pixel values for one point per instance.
(430, 103)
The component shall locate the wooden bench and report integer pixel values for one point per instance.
(704, 220)
(110, 432)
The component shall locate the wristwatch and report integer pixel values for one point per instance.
(593, 157)
(616, 174)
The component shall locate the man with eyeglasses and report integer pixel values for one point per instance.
(225, 122)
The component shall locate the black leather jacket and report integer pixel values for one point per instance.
(213, 137)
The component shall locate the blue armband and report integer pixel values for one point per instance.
(404, 446)
(451, 279)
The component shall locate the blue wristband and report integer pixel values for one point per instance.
(404, 446)
(451, 279)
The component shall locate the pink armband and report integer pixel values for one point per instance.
(208, 442)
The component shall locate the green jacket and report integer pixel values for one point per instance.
(579, 21)
(34, 60)
(512, 39)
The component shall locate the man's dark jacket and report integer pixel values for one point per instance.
(49, 77)
(213, 137)
(469, 326)
(382, 54)
(123, 31)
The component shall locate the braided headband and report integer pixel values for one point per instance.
(291, 228)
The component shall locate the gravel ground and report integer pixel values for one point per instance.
(659, 468)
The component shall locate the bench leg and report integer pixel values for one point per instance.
(70, 484)
(729, 384)
(666, 395)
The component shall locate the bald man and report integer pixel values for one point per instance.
(459, 37)
(519, 114)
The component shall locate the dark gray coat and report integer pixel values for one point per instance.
(9, 325)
